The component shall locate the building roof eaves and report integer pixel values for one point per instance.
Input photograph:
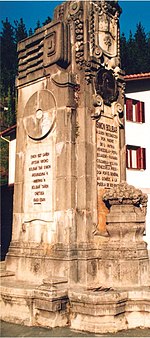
(140, 76)
(8, 131)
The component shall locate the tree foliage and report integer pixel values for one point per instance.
(135, 52)
(8, 58)
(38, 25)
(20, 30)
(30, 31)
(48, 20)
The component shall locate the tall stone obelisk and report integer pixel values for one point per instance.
(70, 140)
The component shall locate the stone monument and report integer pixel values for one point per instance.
(69, 252)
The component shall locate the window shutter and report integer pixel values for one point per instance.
(139, 111)
(129, 110)
(141, 158)
(127, 162)
(142, 112)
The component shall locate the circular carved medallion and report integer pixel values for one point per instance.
(39, 114)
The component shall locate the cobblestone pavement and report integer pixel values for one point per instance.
(14, 330)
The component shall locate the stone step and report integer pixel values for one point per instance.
(2, 265)
(23, 302)
(4, 272)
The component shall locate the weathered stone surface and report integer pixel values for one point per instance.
(125, 226)
(70, 154)
(110, 311)
(31, 304)
(17, 301)
(97, 311)
(126, 194)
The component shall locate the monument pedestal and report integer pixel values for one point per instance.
(127, 253)
(98, 311)
(33, 304)
(111, 310)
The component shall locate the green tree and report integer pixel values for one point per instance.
(38, 25)
(131, 54)
(20, 30)
(9, 37)
(148, 47)
(135, 52)
(141, 49)
(8, 73)
(30, 32)
(8, 57)
(10, 117)
(123, 51)
(48, 20)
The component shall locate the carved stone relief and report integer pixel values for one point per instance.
(54, 52)
(104, 28)
(39, 123)
(75, 13)
(106, 86)
(39, 115)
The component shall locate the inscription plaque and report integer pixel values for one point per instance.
(39, 180)
(108, 166)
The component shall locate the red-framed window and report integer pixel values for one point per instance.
(135, 157)
(135, 111)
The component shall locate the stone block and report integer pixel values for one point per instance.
(51, 301)
(138, 308)
(17, 301)
(96, 311)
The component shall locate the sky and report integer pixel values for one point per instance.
(32, 11)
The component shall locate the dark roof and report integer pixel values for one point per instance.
(8, 131)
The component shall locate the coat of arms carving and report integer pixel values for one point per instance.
(106, 35)
(104, 28)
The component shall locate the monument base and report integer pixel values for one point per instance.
(29, 261)
(110, 311)
(98, 312)
(35, 305)
(100, 286)
(53, 304)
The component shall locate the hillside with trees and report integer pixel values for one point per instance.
(135, 51)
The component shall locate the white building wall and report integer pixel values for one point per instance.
(12, 163)
(138, 134)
